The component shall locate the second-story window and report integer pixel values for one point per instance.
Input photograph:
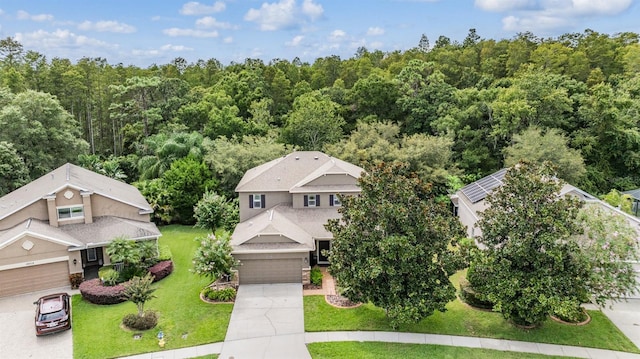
(70, 212)
(334, 201)
(257, 201)
(312, 200)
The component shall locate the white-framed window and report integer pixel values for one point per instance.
(312, 200)
(92, 255)
(334, 201)
(257, 201)
(70, 212)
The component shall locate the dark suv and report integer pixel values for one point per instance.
(53, 313)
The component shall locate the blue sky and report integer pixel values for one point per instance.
(143, 32)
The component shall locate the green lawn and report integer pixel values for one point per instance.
(459, 319)
(377, 350)
(96, 328)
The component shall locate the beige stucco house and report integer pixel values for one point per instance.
(59, 224)
(469, 202)
(284, 205)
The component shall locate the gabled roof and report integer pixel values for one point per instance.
(37, 229)
(69, 175)
(293, 171)
(300, 225)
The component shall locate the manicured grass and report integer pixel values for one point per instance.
(96, 328)
(459, 319)
(375, 350)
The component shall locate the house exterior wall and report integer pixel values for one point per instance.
(270, 239)
(37, 210)
(103, 206)
(298, 200)
(271, 199)
(333, 179)
(468, 216)
(42, 249)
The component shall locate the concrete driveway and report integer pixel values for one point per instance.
(267, 322)
(18, 339)
(626, 316)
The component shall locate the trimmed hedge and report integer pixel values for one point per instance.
(161, 270)
(316, 276)
(147, 321)
(96, 293)
(473, 298)
(220, 295)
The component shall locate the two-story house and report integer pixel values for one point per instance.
(58, 225)
(469, 202)
(284, 205)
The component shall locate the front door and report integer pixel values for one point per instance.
(323, 246)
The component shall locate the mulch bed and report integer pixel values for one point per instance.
(340, 301)
(311, 286)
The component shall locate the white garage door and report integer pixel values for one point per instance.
(34, 278)
(265, 271)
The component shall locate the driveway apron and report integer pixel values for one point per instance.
(267, 322)
(18, 339)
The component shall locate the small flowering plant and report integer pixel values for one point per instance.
(213, 258)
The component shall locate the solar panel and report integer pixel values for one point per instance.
(478, 190)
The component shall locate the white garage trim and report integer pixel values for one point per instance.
(34, 263)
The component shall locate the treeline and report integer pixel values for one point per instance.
(454, 111)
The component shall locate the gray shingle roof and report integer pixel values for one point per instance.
(80, 236)
(70, 175)
(294, 170)
(635, 193)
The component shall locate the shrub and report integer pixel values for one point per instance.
(75, 279)
(220, 295)
(316, 276)
(110, 277)
(96, 293)
(129, 271)
(161, 270)
(473, 298)
(165, 253)
(144, 322)
(570, 312)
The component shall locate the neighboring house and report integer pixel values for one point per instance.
(284, 205)
(58, 225)
(469, 202)
(635, 197)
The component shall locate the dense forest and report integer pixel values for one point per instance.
(452, 110)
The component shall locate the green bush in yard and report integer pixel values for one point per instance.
(110, 277)
(147, 321)
(316, 276)
(220, 295)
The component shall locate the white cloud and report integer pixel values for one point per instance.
(541, 15)
(196, 8)
(59, 39)
(284, 14)
(295, 41)
(504, 5)
(227, 40)
(175, 48)
(209, 22)
(107, 26)
(337, 36)
(174, 31)
(23, 15)
(375, 31)
(312, 10)
(1, 12)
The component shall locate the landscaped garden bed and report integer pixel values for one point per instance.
(183, 318)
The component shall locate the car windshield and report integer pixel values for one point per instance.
(47, 317)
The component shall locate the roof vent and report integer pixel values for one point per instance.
(315, 157)
(297, 158)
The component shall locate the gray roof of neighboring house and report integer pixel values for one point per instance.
(80, 236)
(69, 175)
(293, 171)
(300, 225)
(635, 193)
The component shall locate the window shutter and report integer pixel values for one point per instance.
(306, 200)
(250, 201)
(263, 201)
(331, 200)
(317, 200)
